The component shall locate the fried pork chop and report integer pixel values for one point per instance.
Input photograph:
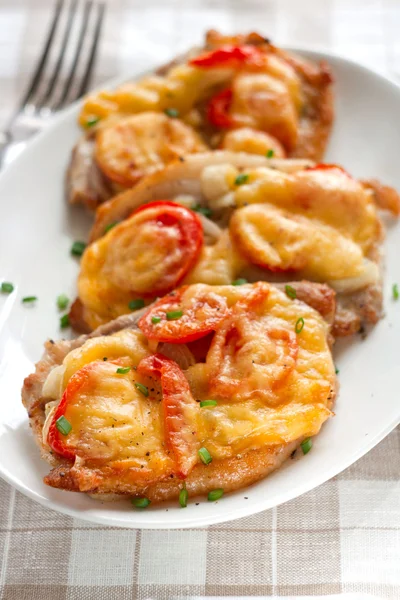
(118, 412)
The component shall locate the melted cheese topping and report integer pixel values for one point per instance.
(321, 223)
(270, 99)
(117, 431)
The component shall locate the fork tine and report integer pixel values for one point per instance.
(89, 67)
(57, 68)
(36, 77)
(82, 33)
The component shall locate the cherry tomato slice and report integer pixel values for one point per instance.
(218, 110)
(328, 166)
(230, 56)
(201, 312)
(55, 439)
(152, 251)
(180, 410)
(250, 356)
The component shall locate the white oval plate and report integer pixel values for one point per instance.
(36, 231)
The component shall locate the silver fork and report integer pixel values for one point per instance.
(46, 93)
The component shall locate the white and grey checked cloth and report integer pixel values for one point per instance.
(342, 537)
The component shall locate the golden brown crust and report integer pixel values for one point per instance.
(231, 474)
(385, 196)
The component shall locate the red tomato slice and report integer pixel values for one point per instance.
(250, 355)
(202, 311)
(164, 229)
(218, 110)
(230, 56)
(180, 410)
(328, 166)
(55, 439)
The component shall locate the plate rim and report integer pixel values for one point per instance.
(119, 519)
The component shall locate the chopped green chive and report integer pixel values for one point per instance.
(172, 112)
(241, 179)
(92, 121)
(78, 248)
(63, 425)
(270, 153)
(239, 281)
(204, 210)
(395, 291)
(123, 370)
(142, 388)
(336, 371)
(141, 502)
(299, 325)
(135, 304)
(64, 321)
(7, 287)
(306, 445)
(290, 291)
(62, 301)
(204, 403)
(205, 456)
(172, 315)
(215, 495)
(183, 497)
(28, 299)
(155, 319)
(110, 226)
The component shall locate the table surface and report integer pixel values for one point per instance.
(342, 537)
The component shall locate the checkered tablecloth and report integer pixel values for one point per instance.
(343, 536)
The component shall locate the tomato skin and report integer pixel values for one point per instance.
(56, 439)
(177, 402)
(218, 110)
(328, 167)
(188, 327)
(191, 238)
(230, 56)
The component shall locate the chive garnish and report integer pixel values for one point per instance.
(63, 425)
(204, 403)
(299, 325)
(155, 319)
(172, 315)
(183, 497)
(141, 502)
(64, 321)
(204, 210)
(215, 495)
(110, 226)
(142, 388)
(395, 291)
(62, 301)
(306, 445)
(205, 456)
(241, 179)
(270, 153)
(135, 304)
(290, 291)
(7, 287)
(240, 281)
(123, 370)
(172, 112)
(336, 370)
(78, 248)
(28, 299)
(92, 121)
